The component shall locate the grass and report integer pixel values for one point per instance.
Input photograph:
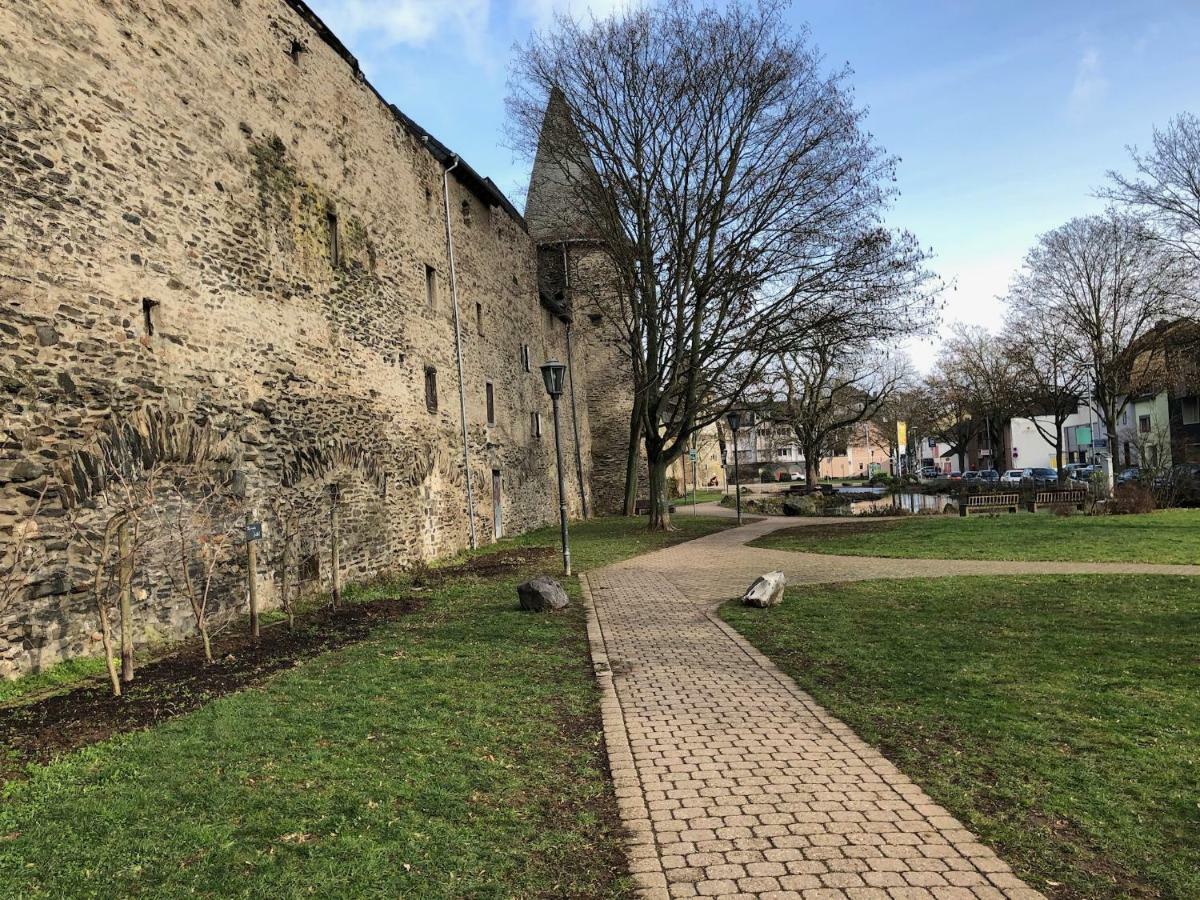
(1168, 536)
(1059, 717)
(66, 673)
(458, 752)
(705, 496)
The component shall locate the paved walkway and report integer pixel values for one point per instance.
(731, 780)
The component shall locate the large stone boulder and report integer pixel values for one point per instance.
(767, 590)
(542, 593)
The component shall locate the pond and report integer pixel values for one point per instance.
(910, 502)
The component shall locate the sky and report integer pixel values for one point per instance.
(1005, 116)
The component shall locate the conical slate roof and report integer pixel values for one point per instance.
(553, 211)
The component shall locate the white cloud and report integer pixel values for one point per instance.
(1090, 84)
(541, 12)
(410, 22)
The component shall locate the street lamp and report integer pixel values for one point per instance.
(554, 374)
(734, 418)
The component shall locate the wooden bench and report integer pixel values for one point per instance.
(642, 508)
(991, 503)
(1075, 498)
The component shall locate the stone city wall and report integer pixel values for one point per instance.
(224, 274)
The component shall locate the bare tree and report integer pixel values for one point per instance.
(730, 185)
(99, 553)
(1166, 188)
(1048, 380)
(200, 539)
(973, 359)
(948, 415)
(1105, 281)
(822, 390)
(24, 556)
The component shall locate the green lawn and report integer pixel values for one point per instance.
(1059, 717)
(705, 496)
(456, 753)
(1168, 536)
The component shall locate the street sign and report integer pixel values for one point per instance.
(254, 531)
(691, 455)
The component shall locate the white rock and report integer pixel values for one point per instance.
(767, 590)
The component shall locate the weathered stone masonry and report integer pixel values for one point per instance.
(223, 257)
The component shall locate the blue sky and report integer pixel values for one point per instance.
(1005, 115)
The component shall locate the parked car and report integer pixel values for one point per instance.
(1013, 476)
(1128, 475)
(955, 476)
(1082, 473)
(931, 472)
(1043, 476)
(991, 476)
(970, 475)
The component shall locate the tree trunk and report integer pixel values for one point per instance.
(335, 551)
(812, 467)
(125, 581)
(203, 627)
(631, 460)
(1058, 444)
(102, 611)
(962, 460)
(285, 579)
(660, 504)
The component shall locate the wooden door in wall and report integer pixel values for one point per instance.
(497, 506)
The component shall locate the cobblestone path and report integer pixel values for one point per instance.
(731, 780)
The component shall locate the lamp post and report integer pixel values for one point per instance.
(734, 418)
(554, 374)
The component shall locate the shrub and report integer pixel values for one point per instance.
(1132, 498)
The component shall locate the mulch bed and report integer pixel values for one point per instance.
(167, 687)
(39, 730)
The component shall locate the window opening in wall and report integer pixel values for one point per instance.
(295, 49)
(535, 426)
(1144, 424)
(431, 398)
(479, 318)
(491, 404)
(430, 286)
(525, 357)
(148, 307)
(331, 222)
(1189, 409)
(466, 211)
(594, 318)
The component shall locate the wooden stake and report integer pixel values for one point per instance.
(125, 581)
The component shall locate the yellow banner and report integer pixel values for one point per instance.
(902, 433)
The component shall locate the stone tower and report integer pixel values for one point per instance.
(575, 274)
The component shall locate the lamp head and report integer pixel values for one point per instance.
(554, 374)
(734, 418)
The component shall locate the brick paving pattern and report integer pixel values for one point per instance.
(732, 781)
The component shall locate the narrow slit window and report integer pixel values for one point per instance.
(431, 397)
(491, 404)
(535, 424)
(479, 318)
(525, 357)
(148, 307)
(430, 286)
(331, 222)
